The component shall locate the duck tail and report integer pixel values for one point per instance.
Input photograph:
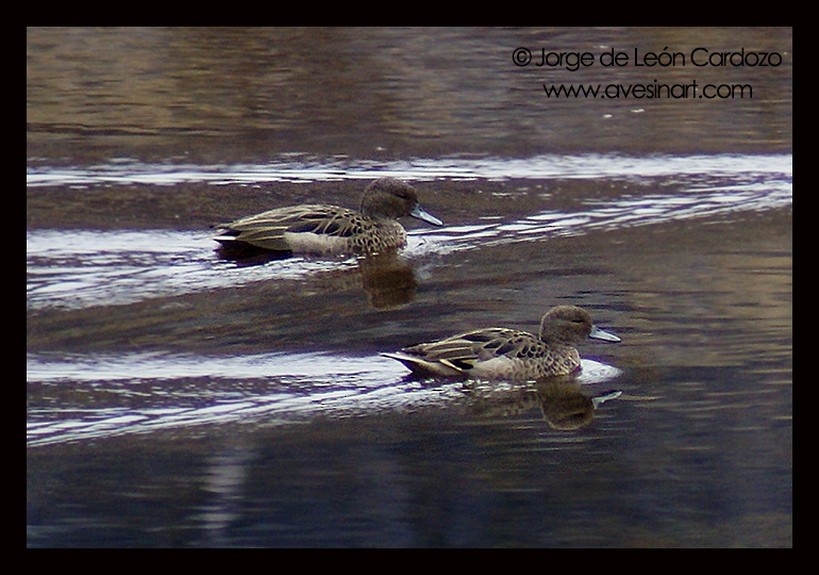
(424, 366)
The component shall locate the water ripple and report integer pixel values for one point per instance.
(177, 390)
(299, 168)
(75, 269)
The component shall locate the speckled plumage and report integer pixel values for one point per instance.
(327, 229)
(504, 353)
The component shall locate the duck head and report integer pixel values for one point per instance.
(389, 198)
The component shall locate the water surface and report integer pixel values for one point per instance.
(178, 399)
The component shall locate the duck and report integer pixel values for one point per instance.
(510, 354)
(324, 229)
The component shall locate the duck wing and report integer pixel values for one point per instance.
(267, 229)
(464, 351)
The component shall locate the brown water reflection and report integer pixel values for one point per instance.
(211, 96)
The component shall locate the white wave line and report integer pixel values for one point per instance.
(494, 168)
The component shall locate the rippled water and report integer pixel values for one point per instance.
(69, 268)
(168, 392)
(741, 166)
(175, 398)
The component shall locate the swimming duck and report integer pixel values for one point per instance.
(504, 353)
(327, 229)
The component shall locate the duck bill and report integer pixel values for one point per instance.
(421, 214)
(597, 333)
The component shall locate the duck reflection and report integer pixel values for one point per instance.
(244, 255)
(388, 278)
(563, 405)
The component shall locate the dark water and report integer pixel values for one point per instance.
(176, 399)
